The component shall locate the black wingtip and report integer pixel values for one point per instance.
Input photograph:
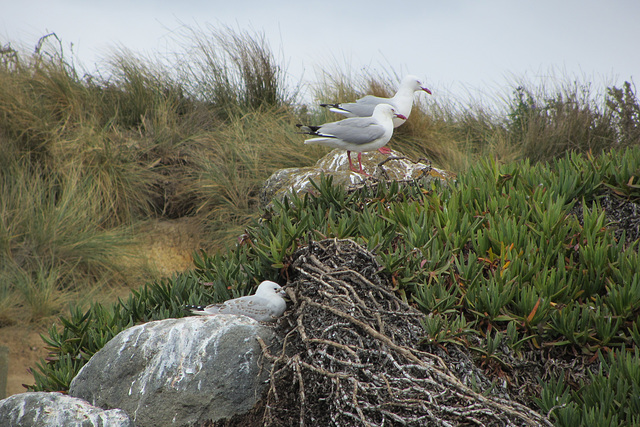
(308, 130)
(195, 307)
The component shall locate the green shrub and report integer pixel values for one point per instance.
(609, 398)
(547, 125)
(626, 113)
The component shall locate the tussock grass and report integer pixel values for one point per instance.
(233, 70)
(140, 90)
(39, 291)
(244, 153)
(86, 158)
(53, 240)
(56, 219)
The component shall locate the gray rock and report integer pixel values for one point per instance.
(179, 371)
(390, 167)
(56, 409)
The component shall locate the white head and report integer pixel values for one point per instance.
(269, 288)
(414, 83)
(387, 110)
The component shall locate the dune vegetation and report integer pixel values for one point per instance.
(514, 258)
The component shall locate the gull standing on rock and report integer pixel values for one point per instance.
(356, 134)
(266, 305)
(402, 101)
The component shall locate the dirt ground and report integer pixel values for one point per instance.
(25, 349)
(166, 248)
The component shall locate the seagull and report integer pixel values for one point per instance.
(356, 133)
(402, 101)
(266, 305)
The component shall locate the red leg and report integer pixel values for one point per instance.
(384, 150)
(361, 171)
(350, 164)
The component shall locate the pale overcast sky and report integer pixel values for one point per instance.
(455, 46)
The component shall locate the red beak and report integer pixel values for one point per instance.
(426, 90)
(400, 116)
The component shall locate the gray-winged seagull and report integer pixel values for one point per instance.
(356, 134)
(402, 101)
(266, 305)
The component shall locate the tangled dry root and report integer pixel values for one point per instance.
(349, 355)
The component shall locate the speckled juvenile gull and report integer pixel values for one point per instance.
(266, 305)
(402, 101)
(356, 134)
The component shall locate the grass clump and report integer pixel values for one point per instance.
(53, 241)
(235, 71)
(243, 155)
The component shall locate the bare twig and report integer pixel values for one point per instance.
(351, 354)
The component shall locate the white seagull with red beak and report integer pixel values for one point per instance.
(402, 101)
(356, 134)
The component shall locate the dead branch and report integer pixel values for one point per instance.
(350, 355)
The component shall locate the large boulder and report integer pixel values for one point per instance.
(388, 167)
(179, 371)
(42, 409)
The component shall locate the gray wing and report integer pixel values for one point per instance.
(261, 309)
(357, 130)
(364, 107)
